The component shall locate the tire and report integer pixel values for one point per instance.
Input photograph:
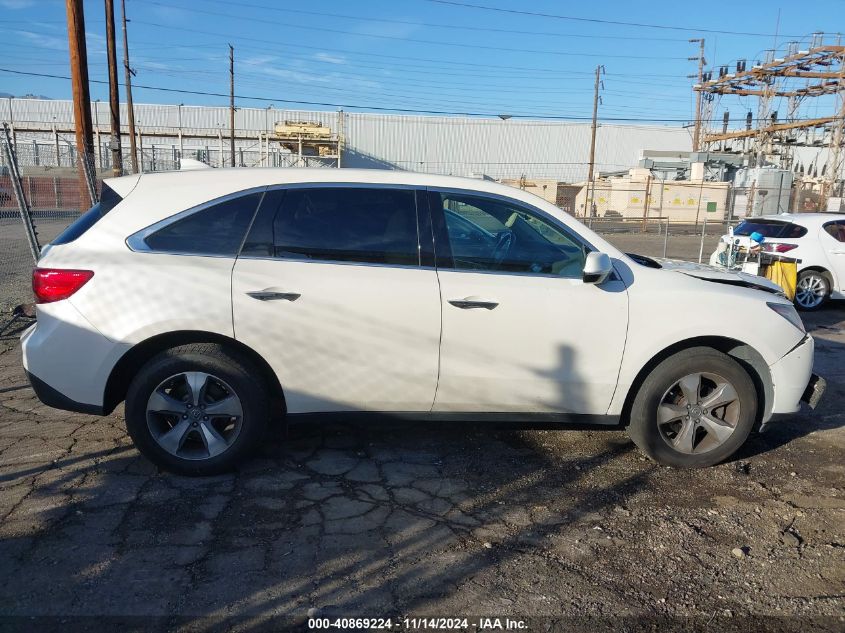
(212, 431)
(812, 290)
(659, 424)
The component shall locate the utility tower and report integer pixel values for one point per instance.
(798, 74)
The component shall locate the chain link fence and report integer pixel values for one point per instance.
(56, 196)
(662, 237)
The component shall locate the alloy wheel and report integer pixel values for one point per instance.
(194, 415)
(811, 290)
(698, 413)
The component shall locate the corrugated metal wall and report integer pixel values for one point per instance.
(448, 145)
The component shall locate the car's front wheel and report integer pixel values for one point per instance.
(694, 409)
(812, 290)
(197, 409)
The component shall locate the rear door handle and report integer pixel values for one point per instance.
(468, 303)
(268, 294)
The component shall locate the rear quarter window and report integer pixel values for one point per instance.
(836, 230)
(109, 199)
(216, 230)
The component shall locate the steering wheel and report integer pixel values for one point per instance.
(504, 243)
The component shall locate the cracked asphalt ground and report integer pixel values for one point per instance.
(385, 519)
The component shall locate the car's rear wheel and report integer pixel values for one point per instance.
(197, 409)
(812, 290)
(694, 409)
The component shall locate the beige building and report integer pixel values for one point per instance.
(546, 188)
(639, 193)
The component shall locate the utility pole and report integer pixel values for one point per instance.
(588, 210)
(133, 149)
(81, 96)
(232, 103)
(696, 135)
(114, 93)
(837, 137)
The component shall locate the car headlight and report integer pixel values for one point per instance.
(788, 312)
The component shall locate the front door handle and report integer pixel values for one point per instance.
(468, 303)
(273, 295)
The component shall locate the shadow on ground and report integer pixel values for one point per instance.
(385, 519)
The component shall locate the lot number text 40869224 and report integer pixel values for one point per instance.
(419, 624)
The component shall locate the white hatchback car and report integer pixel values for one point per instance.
(212, 300)
(817, 239)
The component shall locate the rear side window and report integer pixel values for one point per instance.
(108, 201)
(771, 229)
(215, 230)
(836, 230)
(347, 224)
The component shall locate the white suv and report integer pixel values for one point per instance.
(816, 239)
(211, 301)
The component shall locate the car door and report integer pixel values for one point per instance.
(328, 288)
(521, 331)
(832, 238)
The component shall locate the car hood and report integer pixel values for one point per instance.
(720, 275)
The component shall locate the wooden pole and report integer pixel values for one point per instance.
(588, 211)
(133, 149)
(81, 96)
(645, 203)
(696, 135)
(114, 91)
(232, 103)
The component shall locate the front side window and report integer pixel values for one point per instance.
(836, 230)
(488, 234)
(215, 230)
(348, 224)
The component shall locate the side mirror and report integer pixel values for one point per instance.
(596, 268)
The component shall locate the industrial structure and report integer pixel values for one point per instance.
(791, 87)
(785, 156)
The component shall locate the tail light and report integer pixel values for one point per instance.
(55, 284)
(779, 248)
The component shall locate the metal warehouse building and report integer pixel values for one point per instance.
(495, 147)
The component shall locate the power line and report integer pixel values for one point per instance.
(602, 21)
(420, 41)
(458, 27)
(471, 67)
(550, 117)
(353, 105)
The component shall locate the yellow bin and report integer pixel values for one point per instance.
(785, 275)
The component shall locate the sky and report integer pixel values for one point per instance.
(487, 57)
